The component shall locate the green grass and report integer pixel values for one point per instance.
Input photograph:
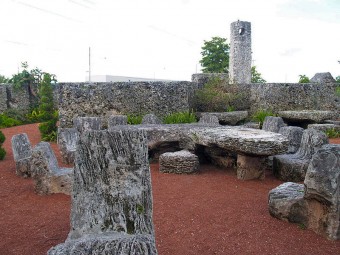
(180, 117)
(260, 115)
(332, 133)
(133, 119)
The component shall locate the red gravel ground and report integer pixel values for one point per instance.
(208, 213)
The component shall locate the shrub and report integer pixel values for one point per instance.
(332, 133)
(180, 117)
(2, 150)
(2, 138)
(6, 121)
(337, 91)
(48, 130)
(215, 96)
(260, 115)
(134, 119)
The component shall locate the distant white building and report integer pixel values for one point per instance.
(112, 78)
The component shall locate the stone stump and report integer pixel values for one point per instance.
(273, 124)
(111, 199)
(293, 167)
(83, 124)
(117, 120)
(22, 152)
(67, 141)
(294, 135)
(48, 177)
(151, 119)
(180, 162)
(250, 167)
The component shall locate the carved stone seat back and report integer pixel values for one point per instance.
(22, 152)
(294, 135)
(273, 124)
(67, 141)
(83, 124)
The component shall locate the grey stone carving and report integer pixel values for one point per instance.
(111, 200)
(314, 116)
(67, 141)
(48, 177)
(323, 78)
(294, 135)
(151, 119)
(116, 120)
(180, 162)
(22, 152)
(240, 52)
(209, 119)
(83, 124)
(227, 118)
(316, 203)
(293, 167)
(273, 124)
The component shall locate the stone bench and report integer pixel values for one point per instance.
(67, 141)
(314, 204)
(325, 127)
(47, 175)
(111, 211)
(293, 167)
(22, 153)
(180, 162)
(307, 116)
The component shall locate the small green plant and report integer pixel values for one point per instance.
(2, 150)
(337, 91)
(260, 115)
(140, 209)
(332, 133)
(230, 108)
(180, 117)
(6, 121)
(133, 119)
(303, 79)
(302, 226)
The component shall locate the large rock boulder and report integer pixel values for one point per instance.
(22, 152)
(323, 78)
(111, 199)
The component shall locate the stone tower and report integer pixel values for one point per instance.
(240, 52)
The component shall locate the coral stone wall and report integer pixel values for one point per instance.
(103, 99)
(11, 98)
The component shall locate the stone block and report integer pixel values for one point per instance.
(151, 119)
(307, 116)
(323, 78)
(67, 141)
(273, 124)
(250, 167)
(180, 162)
(209, 119)
(227, 118)
(325, 127)
(83, 124)
(22, 153)
(294, 135)
(116, 120)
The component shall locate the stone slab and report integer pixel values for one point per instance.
(307, 116)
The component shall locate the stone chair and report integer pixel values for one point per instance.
(316, 203)
(293, 167)
(294, 135)
(22, 153)
(179, 162)
(47, 175)
(273, 124)
(83, 124)
(67, 141)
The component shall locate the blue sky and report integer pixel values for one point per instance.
(163, 38)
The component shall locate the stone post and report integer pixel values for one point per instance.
(240, 53)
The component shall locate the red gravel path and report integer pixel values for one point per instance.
(208, 213)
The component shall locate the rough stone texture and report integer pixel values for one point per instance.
(151, 119)
(3, 97)
(116, 120)
(286, 202)
(48, 177)
(292, 96)
(294, 135)
(180, 162)
(83, 124)
(220, 157)
(202, 78)
(250, 167)
(227, 118)
(325, 127)
(273, 124)
(22, 153)
(293, 167)
(255, 125)
(67, 141)
(160, 98)
(307, 116)
(322, 184)
(323, 78)
(111, 200)
(240, 52)
(209, 119)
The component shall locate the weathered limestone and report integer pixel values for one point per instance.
(83, 124)
(48, 177)
(151, 119)
(309, 116)
(180, 162)
(323, 78)
(116, 120)
(228, 118)
(67, 141)
(208, 119)
(250, 167)
(273, 124)
(111, 199)
(294, 135)
(315, 204)
(255, 125)
(293, 167)
(325, 127)
(22, 152)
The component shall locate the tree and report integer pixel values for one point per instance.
(3, 79)
(337, 79)
(215, 56)
(303, 79)
(256, 77)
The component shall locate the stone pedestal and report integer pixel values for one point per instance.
(250, 167)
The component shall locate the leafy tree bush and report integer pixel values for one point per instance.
(2, 150)
(3, 79)
(256, 77)
(303, 79)
(180, 117)
(6, 121)
(215, 56)
(260, 115)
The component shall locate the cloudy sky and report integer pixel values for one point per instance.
(163, 38)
